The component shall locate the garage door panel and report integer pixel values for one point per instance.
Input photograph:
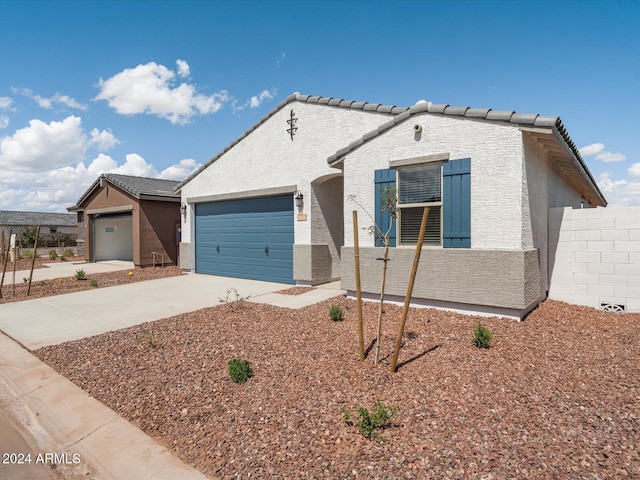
(113, 237)
(231, 237)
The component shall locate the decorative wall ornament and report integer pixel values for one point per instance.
(292, 124)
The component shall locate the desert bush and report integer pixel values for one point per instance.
(239, 370)
(53, 254)
(481, 336)
(27, 254)
(80, 274)
(370, 422)
(336, 313)
(93, 282)
(147, 335)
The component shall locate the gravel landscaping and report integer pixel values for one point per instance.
(59, 286)
(556, 396)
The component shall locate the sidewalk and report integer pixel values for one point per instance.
(56, 417)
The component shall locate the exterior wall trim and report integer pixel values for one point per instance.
(116, 209)
(438, 157)
(262, 192)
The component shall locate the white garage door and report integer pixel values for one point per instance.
(113, 237)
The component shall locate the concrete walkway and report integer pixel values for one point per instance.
(52, 415)
(67, 269)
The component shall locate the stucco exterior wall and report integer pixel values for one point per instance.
(269, 158)
(500, 282)
(496, 173)
(158, 223)
(595, 256)
(543, 187)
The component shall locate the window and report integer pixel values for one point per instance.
(418, 187)
(445, 187)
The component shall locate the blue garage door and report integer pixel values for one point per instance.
(247, 238)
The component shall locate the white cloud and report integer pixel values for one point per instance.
(634, 170)
(180, 170)
(4, 121)
(610, 157)
(42, 146)
(597, 150)
(5, 103)
(280, 59)
(151, 89)
(59, 188)
(591, 150)
(619, 192)
(256, 100)
(183, 68)
(103, 140)
(49, 103)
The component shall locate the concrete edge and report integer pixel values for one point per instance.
(37, 401)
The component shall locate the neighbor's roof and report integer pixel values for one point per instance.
(533, 121)
(330, 101)
(12, 218)
(142, 188)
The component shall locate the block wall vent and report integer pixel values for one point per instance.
(612, 307)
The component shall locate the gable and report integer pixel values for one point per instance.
(339, 109)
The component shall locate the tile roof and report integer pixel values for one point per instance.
(138, 187)
(506, 116)
(14, 218)
(401, 114)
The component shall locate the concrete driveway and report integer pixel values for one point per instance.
(52, 320)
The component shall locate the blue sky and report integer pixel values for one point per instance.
(158, 88)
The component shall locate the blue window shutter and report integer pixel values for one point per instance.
(383, 179)
(456, 203)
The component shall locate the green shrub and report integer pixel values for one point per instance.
(80, 275)
(240, 370)
(52, 254)
(67, 253)
(335, 313)
(27, 254)
(93, 282)
(370, 422)
(63, 258)
(147, 335)
(481, 336)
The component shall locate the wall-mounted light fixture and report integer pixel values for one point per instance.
(183, 209)
(298, 197)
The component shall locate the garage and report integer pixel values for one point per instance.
(246, 238)
(113, 237)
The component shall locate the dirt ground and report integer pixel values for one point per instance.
(556, 396)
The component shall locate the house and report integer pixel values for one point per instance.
(277, 203)
(122, 217)
(50, 223)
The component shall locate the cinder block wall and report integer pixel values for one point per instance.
(594, 256)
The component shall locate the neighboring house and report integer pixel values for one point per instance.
(122, 217)
(276, 204)
(49, 222)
